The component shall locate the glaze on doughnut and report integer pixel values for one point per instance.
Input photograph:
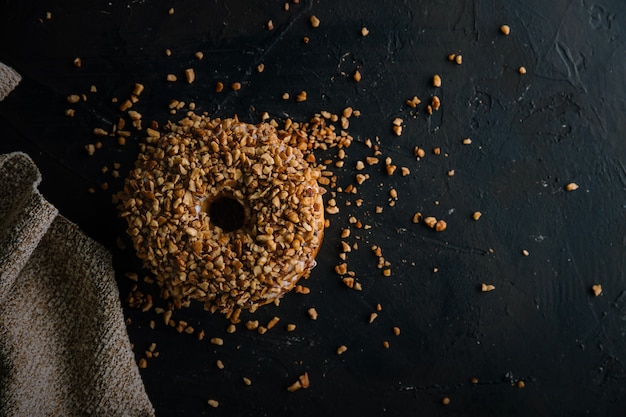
(224, 212)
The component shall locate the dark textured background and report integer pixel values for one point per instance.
(561, 122)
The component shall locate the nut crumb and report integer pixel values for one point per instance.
(341, 349)
(372, 317)
(487, 287)
(436, 81)
(597, 289)
(213, 403)
(522, 70)
(190, 75)
(315, 22)
(312, 313)
(357, 76)
(364, 31)
(572, 186)
(217, 341)
(445, 401)
(525, 252)
(476, 215)
(247, 381)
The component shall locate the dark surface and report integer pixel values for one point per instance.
(531, 135)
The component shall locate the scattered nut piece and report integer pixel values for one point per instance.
(430, 221)
(219, 87)
(341, 349)
(312, 313)
(467, 141)
(476, 215)
(436, 81)
(301, 96)
(487, 287)
(357, 76)
(260, 68)
(213, 403)
(373, 317)
(217, 341)
(78, 62)
(270, 25)
(597, 289)
(190, 75)
(525, 252)
(458, 59)
(386, 344)
(440, 226)
(413, 102)
(291, 327)
(572, 186)
(236, 86)
(315, 22)
(364, 31)
(505, 29)
(170, 11)
(445, 401)
(435, 103)
(522, 70)
(247, 381)
(396, 331)
(171, 78)
(199, 55)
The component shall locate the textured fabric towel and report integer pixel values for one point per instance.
(9, 79)
(64, 349)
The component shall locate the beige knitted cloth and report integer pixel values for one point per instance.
(9, 79)
(64, 349)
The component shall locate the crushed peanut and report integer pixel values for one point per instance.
(597, 289)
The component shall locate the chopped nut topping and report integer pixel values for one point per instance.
(572, 186)
(597, 289)
(364, 31)
(505, 29)
(487, 287)
(315, 22)
(190, 75)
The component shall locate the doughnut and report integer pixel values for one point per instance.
(223, 212)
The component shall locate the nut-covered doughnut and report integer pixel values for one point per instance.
(223, 212)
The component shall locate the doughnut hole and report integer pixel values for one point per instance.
(227, 213)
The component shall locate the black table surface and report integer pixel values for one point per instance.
(540, 344)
